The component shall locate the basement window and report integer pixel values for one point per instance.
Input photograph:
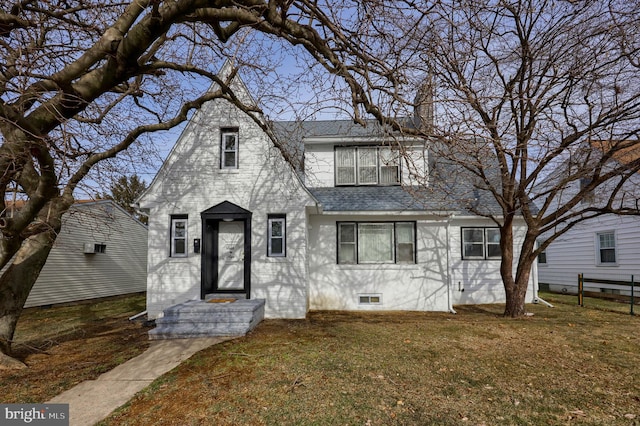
(369, 299)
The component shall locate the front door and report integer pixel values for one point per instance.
(226, 250)
(230, 256)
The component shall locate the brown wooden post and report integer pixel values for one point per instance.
(580, 290)
(632, 295)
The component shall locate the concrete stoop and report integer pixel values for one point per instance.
(199, 318)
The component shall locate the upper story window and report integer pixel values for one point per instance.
(606, 248)
(229, 149)
(366, 166)
(481, 243)
(179, 236)
(376, 242)
(277, 228)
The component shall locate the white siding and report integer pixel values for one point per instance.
(479, 281)
(320, 169)
(576, 252)
(419, 287)
(71, 275)
(191, 181)
(319, 165)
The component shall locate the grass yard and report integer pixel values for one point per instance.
(65, 345)
(563, 366)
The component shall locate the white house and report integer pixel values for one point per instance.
(101, 251)
(602, 248)
(343, 231)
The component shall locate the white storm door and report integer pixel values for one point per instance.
(231, 256)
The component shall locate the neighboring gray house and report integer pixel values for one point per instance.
(101, 251)
(607, 247)
(604, 248)
(228, 215)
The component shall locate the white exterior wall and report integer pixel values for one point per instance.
(192, 181)
(71, 275)
(420, 287)
(320, 166)
(479, 281)
(576, 252)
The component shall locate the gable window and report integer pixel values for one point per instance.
(179, 236)
(366, 166)
(481, 243)
(606, 248)
(376, 242)
(277, 228)
(229, 149)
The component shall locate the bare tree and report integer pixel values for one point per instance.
(89, 82)
(538, 103)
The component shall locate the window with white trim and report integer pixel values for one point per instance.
(369, 299)
(366, 166)
(277, 230)
(606, 248)
(376, 242)
(179, 235)
(229, 149)
(481, 243)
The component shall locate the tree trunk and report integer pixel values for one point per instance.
(515, 303)
(15, 285)
(515, 291)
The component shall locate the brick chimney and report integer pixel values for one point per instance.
(423, 115)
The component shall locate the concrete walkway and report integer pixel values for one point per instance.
(93, 400)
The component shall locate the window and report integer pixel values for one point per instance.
(481, 243)
(179, 236)
(366, 166)
(369, 299)
(542, 258)
(606, 248)
(277, 228)
(376, 242)
(229, 149)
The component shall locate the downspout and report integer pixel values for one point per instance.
(449, 297)
(536, 297)
(137, 315)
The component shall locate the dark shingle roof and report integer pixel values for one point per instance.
(367, 198)
(288, 130)
(451, 188)
(398, 198)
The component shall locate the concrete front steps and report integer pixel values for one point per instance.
(216, 317)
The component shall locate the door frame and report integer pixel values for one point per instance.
(211, 218)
